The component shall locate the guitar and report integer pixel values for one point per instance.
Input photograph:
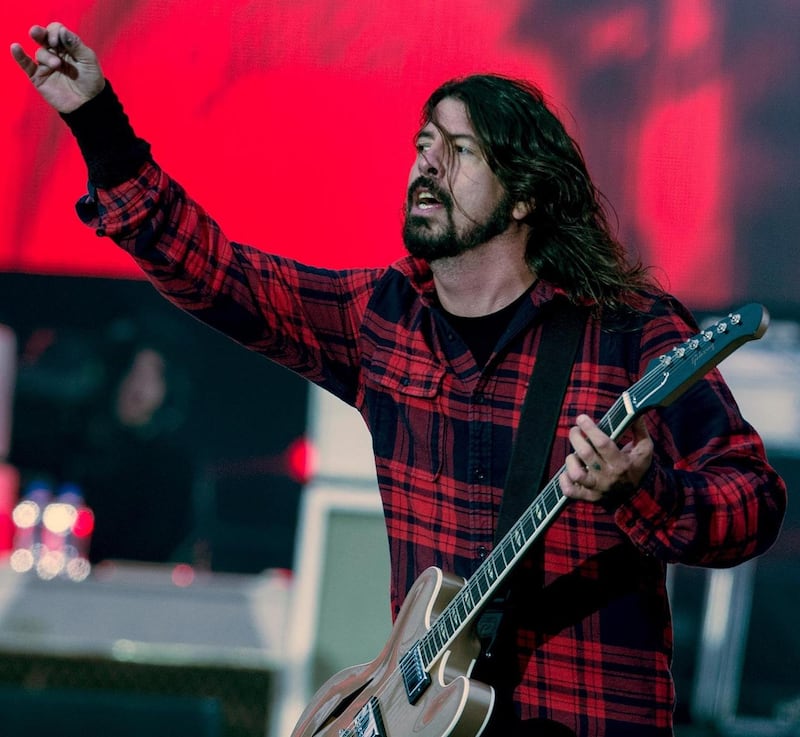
(419, 685)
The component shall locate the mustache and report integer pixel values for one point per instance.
(423, 182)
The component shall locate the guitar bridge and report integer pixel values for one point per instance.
(368, 722)
(415, 678)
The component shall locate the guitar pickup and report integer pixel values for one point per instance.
(415, 678)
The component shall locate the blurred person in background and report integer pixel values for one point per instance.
(102, 412)
(133, 470)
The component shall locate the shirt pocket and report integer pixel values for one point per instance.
(404, 411)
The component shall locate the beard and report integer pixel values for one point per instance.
(431, 241)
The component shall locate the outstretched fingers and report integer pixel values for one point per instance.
(25, 62)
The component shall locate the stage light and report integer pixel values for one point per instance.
(84, 523)
(183, 575)
(301, 460)
(26, 514)
(59, 518)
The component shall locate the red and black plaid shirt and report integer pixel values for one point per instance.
(594, 640)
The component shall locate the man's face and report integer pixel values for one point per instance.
(455, 202)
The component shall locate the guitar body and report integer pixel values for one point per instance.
(451, 705)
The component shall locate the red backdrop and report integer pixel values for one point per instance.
(292, 121)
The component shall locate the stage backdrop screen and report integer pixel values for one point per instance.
(292, 122)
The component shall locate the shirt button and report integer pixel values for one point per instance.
(480, 399)
(479, 474)
(405, 381)
(482, 552)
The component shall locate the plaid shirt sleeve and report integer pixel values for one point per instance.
(710, 498)
(305, 318)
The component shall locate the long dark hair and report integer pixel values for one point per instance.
(533, 156)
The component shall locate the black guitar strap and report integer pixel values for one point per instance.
(561, 335)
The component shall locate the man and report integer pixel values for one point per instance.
(503, 227)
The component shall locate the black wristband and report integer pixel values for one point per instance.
(111, 149)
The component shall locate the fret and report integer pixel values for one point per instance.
(425, 652)
(615, 418)
(476, 586)
(428, 647)
(547, 502)
(507, 546)
(527, 525)
(517, 538)
(476, 589)
(446, 621)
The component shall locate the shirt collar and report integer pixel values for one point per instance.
(418, 272)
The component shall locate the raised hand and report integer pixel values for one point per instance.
(65, 71)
